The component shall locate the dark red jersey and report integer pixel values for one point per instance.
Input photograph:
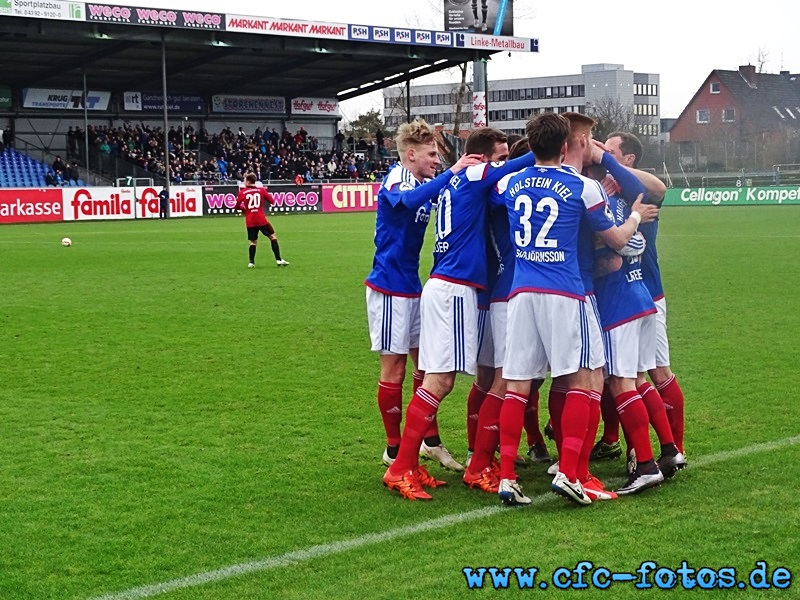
(251, 201)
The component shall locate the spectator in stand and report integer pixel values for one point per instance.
(339, 138)
(72, 174)
(58, 164)
(8, 137)
(49, 178)
(222, 165)
(72, 143)
(143, 146)
(379, 141)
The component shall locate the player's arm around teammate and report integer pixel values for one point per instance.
(448, 304)
(393, 285)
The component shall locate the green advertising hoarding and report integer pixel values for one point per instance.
(736, 196)
(5, 97)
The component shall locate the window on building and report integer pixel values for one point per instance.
(714, 87)
(548, 92)
(703, 115)
(728, 115)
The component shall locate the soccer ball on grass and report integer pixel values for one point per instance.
(66, 242)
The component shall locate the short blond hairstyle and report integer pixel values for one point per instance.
(579, 124)
(418, 132)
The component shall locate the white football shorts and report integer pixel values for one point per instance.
(631, 347)
(662, 342)
(448, 339)
(498, 312)
(545, 329)
(393, 322)
(596, 356)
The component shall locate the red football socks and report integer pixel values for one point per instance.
(512, 418)
(390, 403)
(582, 472)
(636, 424)
(657, 413)
(421, 411)
(474, 402)
(488, 433)
(574, 425)
(532, 431)
(672, 395)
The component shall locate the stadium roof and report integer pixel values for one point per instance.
(120, 51)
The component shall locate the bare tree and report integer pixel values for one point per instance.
(611, 115)
(762, 58)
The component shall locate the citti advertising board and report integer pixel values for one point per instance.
(350, 197)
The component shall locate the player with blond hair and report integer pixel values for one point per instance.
(393, 286)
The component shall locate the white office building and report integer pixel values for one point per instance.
(511, 101)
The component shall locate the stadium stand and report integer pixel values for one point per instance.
(197, 157)
(20, 170)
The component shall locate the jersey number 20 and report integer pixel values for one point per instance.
(253, 201)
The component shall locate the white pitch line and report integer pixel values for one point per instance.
(323, 550)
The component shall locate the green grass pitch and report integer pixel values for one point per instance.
(166, 412)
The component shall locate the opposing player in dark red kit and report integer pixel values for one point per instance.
(251, 202)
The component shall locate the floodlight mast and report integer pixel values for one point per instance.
(166, 116)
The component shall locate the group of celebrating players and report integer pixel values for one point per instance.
(544, 261)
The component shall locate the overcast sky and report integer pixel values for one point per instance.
(681, 40)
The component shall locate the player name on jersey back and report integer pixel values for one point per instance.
(548, 256)
(541, 182)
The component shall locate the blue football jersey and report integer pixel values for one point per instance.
(632, 187)
(459, 251)
(622, 295)
(650, 269)
(545, 207)
(400, 231)
(502, 246)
